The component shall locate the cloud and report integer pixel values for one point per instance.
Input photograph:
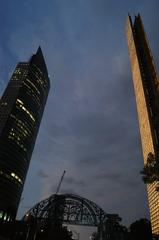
(69, 190)
(118, 178)
(75, 182)
(42, 174)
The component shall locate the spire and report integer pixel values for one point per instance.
(129, 21)
(39, 50)
(38, 60)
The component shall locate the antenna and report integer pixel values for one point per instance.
(59, 185)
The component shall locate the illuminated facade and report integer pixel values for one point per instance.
(146, 86)
(21, 109)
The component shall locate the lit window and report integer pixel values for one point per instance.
(16, 140)
(24, 109)
(16, 177)
(33, 85)
(21, 124)
(11, 176)
(5, 216)
(19, 101)
(17, 71)
(32, 93)
(4, 103)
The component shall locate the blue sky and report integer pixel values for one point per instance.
(90, 125)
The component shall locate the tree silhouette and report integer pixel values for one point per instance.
(150, 171)
(140, 230)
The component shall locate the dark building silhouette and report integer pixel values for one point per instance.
(146, 86)
(21, 109)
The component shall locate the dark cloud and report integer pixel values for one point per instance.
(73, 181)
(69, 190)
(119, 178)
(42, 174)
(109, 176)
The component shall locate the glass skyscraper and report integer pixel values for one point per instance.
(146, 86)
(21, 109)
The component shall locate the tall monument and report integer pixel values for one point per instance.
(146, 86)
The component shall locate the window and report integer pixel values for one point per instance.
(21, 105)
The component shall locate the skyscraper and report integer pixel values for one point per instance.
(21, 109)
(146, 86)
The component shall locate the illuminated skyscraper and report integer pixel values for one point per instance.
(21, 109)
(146, 85)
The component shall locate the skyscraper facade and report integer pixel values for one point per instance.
(21, 109)
(146, 86)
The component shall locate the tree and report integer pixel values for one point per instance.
(150, 171)
(140, 230)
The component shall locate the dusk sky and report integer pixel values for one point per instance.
(90, 125)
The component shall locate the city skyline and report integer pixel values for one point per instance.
(90, 127)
